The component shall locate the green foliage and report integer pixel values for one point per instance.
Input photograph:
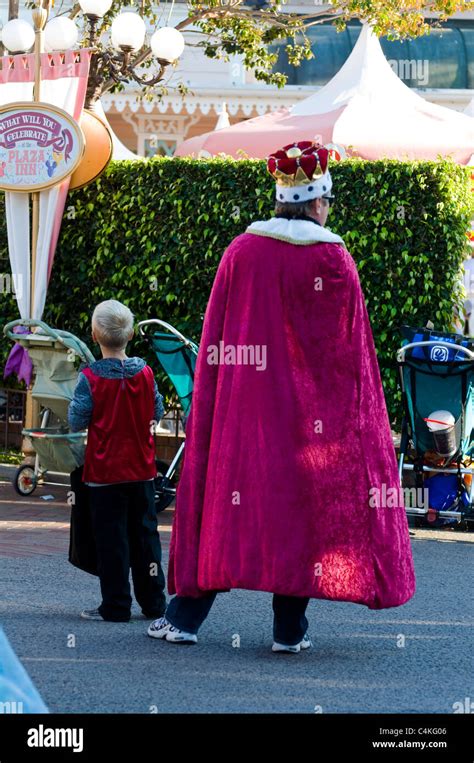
(11, 456)
(151, 234)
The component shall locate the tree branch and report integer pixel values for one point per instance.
(216, 13)
(75, 11)
(280, 19)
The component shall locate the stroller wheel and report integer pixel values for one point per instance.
(162, 501)
(162, 497)
(25, 480)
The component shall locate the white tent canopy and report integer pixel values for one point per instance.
(223, 120)
(119, 150)
(365, 107)
(469, 110)
(366, 76)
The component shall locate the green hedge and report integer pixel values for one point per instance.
(151, 234)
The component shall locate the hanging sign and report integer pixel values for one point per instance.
(40, 145)
(98, 151)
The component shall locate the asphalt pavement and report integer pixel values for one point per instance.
(413, 659)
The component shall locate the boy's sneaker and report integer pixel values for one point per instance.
(305, 643)
(91, 614)
(161, 628)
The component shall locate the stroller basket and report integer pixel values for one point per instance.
(58, 451)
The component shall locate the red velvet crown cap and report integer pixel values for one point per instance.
(298, 163)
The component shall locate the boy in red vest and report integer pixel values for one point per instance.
(116, 398)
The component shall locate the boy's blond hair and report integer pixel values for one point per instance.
(112, 324)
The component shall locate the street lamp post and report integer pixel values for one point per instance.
(127, 37)
(108, 64)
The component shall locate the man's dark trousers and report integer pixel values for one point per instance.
(289, 619)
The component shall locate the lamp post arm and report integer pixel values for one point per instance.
(99, 84)
(147, 52)
(153, 80)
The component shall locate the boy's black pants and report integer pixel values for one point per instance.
(126, 535)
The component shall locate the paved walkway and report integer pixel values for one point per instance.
(31, 526)
(412, 659)
(34, 526)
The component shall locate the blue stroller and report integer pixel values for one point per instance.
(177, 356)
(437, 380)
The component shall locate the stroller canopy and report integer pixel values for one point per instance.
(179, 362)
(52, 353)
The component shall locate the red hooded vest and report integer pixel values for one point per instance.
(120, 443)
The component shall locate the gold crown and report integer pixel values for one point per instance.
(299, 178)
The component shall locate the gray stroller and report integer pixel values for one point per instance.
(56, 356)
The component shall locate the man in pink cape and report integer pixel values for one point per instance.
(289, 456)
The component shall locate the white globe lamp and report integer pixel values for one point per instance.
(60, 33)
(167, 44)
(95, 8)
(18, 36)
(128, 31)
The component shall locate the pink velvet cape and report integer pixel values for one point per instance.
(280, 462)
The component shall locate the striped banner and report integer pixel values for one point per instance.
(63, 84)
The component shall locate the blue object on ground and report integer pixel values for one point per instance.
(17, 692)
(443, 492)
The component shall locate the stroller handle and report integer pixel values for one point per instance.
(67, 339)
(401, 352)
(165, 325)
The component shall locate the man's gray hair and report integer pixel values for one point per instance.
(292, 209)
(112, 324)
